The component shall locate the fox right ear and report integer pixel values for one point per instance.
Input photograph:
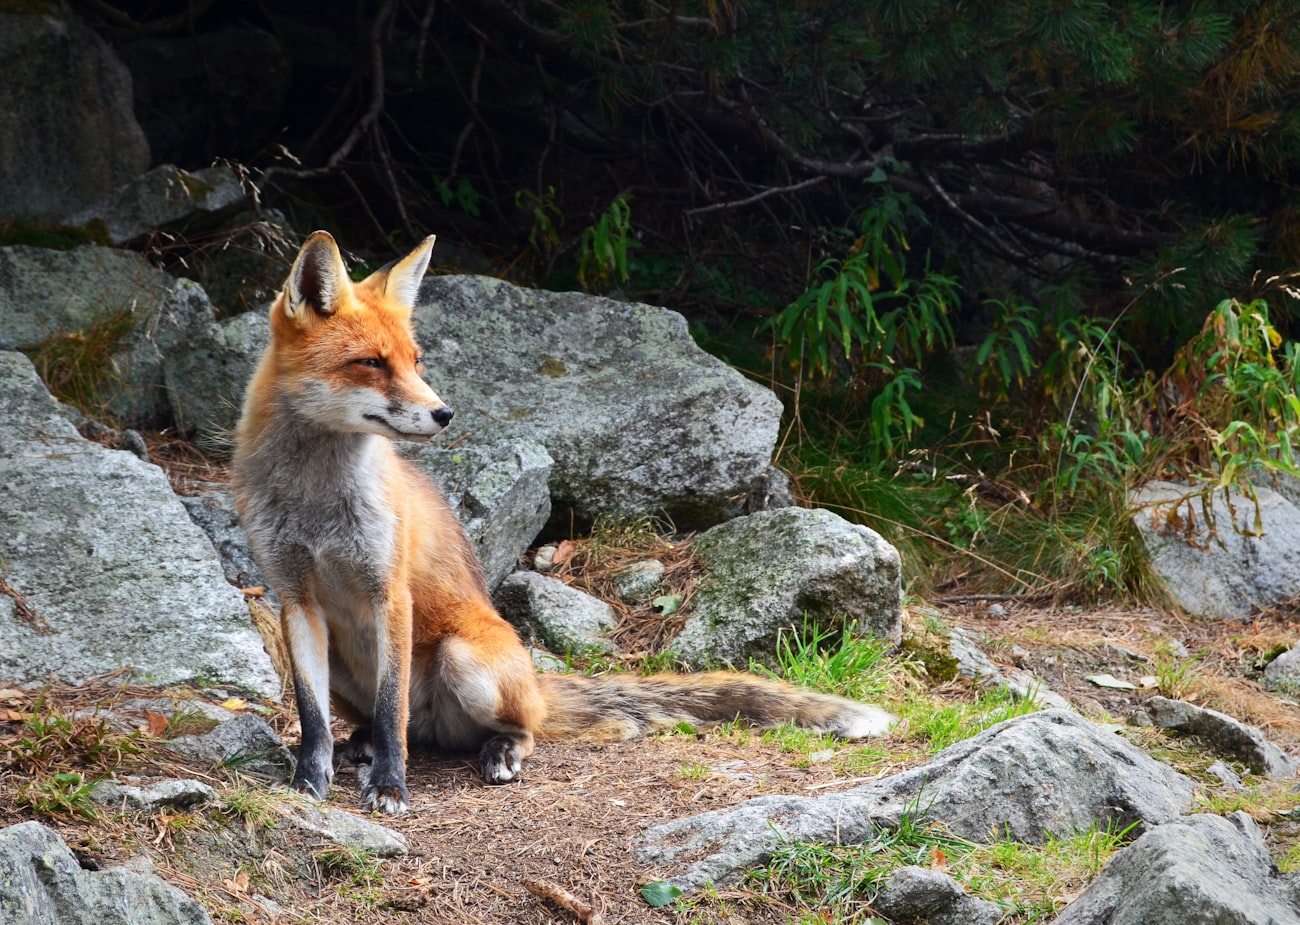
(317, 280)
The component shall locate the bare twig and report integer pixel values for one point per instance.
(748, 200)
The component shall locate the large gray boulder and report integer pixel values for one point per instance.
(68, 134)
(499, 495)
(46, 292)
(41, 883)
(106, 567)
(1049, 773)
(1225, 569)
(206, 369)
(637, 417)
(166, 198)
(772, 570)
(1201, 870)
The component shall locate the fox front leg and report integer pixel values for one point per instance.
(306, 635)
(386, 791)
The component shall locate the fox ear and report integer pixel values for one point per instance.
(400, 281)
(318, 278)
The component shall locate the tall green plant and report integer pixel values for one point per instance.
(867, 317)
(604, 246)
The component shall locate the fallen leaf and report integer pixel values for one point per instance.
(667, 604)
(938, 859)
(660, 893)
(11, 693)
(1107, 680)
(235, 704)
(564, 551)
(155, 724)
(237, 883)
(14, 716)
(1148, 680)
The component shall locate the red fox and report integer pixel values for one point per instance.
(385, 611)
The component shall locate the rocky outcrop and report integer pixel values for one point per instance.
(1049, 773)
(498, 493)
(68, 133)
(206, 365)
(45, 292)
(637, 417)
(774, 570)
(43, 884)
(106, 568)
(1225, 735)
(1220, 566)
(166, 199)
(1202, 870)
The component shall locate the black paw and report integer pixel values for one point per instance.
(388, 800)
(500, 761)
(360, 748)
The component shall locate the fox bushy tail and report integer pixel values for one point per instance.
(626, 706)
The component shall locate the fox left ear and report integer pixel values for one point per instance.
(400, 281)
(317, 279)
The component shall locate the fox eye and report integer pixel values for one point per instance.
(371, 362)
(419, 363)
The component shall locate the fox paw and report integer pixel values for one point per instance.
(500, 760)
(387, 800)
(314, 790)
(360, 749)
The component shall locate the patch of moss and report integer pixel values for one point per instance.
(931, 647)
(53, 237)
(552, 367)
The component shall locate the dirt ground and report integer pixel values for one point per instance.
(573, 820)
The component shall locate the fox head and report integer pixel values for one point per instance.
(345, 354)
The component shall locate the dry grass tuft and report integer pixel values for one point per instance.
(593, 565)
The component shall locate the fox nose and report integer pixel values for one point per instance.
(442, 416)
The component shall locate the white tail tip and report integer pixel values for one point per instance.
(860, 720)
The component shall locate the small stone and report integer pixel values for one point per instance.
(167, 794)
(997, 610)
(1283, 673)
(544, 558)
(342, 827)
(1227, 775)
(920, 896)
(636, 582)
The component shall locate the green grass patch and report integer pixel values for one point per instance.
(824, 883)
(939, 724)
(62, 795)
